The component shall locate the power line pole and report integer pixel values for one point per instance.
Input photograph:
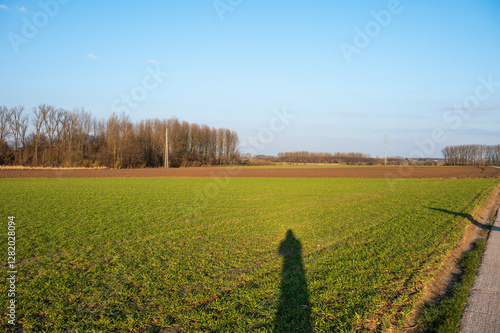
(385, 159)
(166, 148)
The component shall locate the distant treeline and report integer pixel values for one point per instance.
(328, 158)
(309, 157)
(472, 155)
(50, 136)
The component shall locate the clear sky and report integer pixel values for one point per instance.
(426, 73)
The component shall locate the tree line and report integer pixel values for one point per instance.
(472, 155)
(351, 158)
(50, 136)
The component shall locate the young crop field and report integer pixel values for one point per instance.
(228, 254)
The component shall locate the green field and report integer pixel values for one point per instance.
(229, 255)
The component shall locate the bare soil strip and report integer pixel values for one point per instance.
(333, 172)
(481, 313)
(449, 273)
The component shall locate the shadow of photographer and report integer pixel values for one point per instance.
(294, 309)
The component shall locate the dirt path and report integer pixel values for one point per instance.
(482, 313)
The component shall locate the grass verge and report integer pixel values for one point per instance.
(445, 314)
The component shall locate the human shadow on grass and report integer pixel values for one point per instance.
(468, 217)
(294, 309)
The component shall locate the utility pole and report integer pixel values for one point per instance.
(166, 148)
(385, 159)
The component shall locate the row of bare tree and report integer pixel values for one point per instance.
(50, 136)
(309, 157)
(472, 155)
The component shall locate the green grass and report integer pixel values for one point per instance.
(144, 254)
(445, 316)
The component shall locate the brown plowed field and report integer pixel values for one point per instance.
(333, 172)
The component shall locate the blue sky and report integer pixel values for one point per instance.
(426, 73)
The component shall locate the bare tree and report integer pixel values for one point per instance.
(220, 145)
(85, 130)
(14, 125)
(61, 124)
(5, 130)
(157, 141)
(18, 124)
(61, 137)
(195, 144)
(51, 125)
(113, 137)
(38, 123)
(132, 154)
(231, 142)
(471, 155)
